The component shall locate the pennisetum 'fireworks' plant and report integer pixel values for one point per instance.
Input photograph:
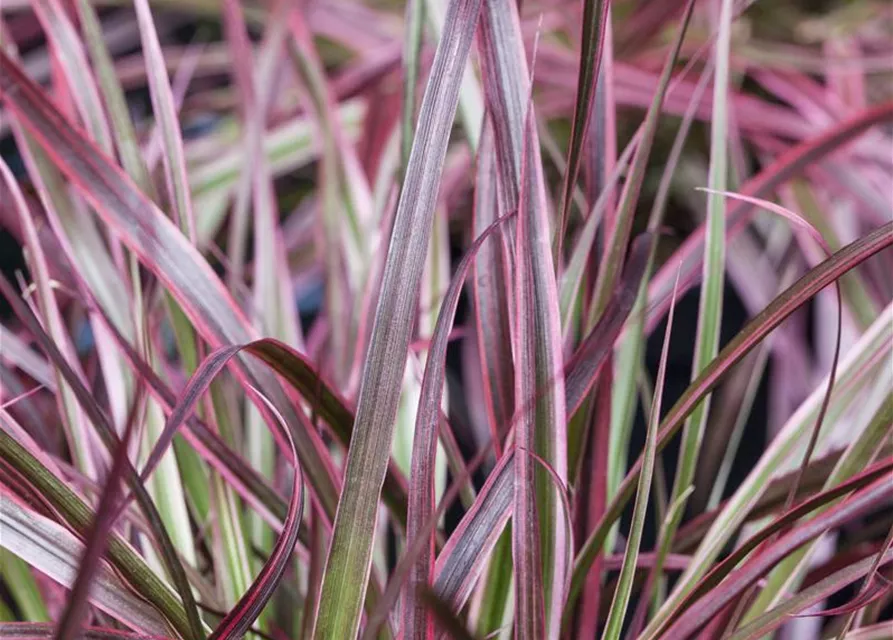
(374, 319)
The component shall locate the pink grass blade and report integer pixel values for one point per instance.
(751, 335)
(78, 516)
(539, 543)
(69, 625)
(416, 624)
(69, 54)
(74, 421)
(689, 619)
(162, 248)
(592, 38)
(790, 164)
(110, 440)
(165, 111)
(43, 630)
(491, 292)
(349, 560)
(812, 595)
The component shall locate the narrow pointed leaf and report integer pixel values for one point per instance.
(620, 602)
(56, 552)
(421, 495)
(695, 616)
(349, 560)
(111, 442)
(752, 334)
(165, 112)
(793, 162)
(592, 38)
(162, 249)
(810, 596)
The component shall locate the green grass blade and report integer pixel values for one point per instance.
(23, 588)
(56, 552)
(619, 604)
(78, 517)
(165, 112)
(349, 562)
(412, 49)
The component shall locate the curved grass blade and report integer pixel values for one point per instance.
(349, 559)
(104, 520)
(490, 292)
(111, 441)
(208, 444)
(687, 621)
(252, 603)
(817, 236)
(816, 429)
(752, 334)
(689, 256)
(163, 250)
(813, 594)
(724, 568)
(56, 552)
(295, 369)
(693, 432)
(421, 495)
